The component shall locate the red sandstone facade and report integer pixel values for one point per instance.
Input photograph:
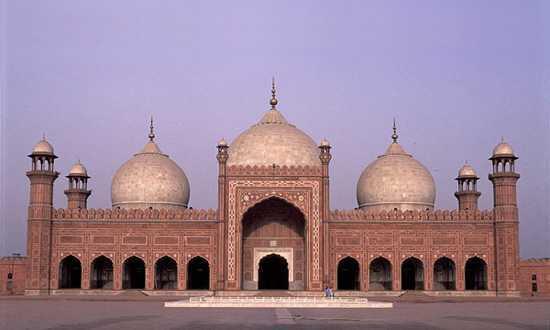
(278, 214)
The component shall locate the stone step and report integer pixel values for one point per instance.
(277, 302)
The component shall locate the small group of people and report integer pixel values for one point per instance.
(328, 292)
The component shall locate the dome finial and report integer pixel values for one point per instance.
(43, 136)
(273, 100)
(151, 131)
(394, 136)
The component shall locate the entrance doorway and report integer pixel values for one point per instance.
(133, 276)
(270, 227)
(273, 273)
(166, 274)
(412, 274)
(198, 274)
(348, 274)
(102, 273)
(444, 274)
(70, 273)
(476, 274)
(380, 277)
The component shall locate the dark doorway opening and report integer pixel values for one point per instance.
(380, 274)
(273, 273)
(348, 274)
(444, 274)
(198, 274)
(476, 274)
(412, 274)
(70, 273)
(166, 274)
(134, 274)
(102, 273)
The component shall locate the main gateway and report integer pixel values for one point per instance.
(272, 228)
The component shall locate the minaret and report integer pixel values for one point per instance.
(504, 179)
(467, 193)
(77, 193)
(325, 157)
(42, 176)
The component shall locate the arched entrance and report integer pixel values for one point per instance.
(133, 274)
(166, 274)
(198, 274)
(348, 274)
(476, 274)
(273, 273)
(412, 274)
(273, 227)
(102, 273)
(70, 273)
(444, 274)
(380, 274)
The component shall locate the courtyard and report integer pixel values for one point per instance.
(140, 312)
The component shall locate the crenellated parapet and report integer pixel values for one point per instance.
(412, 215)
(135, 214)
(274, 170)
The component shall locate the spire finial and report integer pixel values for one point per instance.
(43, 136)
(273, 100)
(394, 136)
(151, 131)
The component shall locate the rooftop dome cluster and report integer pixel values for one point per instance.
(393, 181)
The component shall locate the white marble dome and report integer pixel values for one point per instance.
(273, 141)
(150, 179)
(395, 180)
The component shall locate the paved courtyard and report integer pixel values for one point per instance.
(107, 313)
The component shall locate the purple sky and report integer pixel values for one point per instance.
(456, 75)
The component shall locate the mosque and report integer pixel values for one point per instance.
(272, 228)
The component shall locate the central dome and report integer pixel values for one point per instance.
(396, 181)
(273, 141)
(150, 179)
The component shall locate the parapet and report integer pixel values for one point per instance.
(275, 170)
(412, 215)
(136, 214)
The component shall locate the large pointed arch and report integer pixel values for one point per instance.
(348, 274)
(444, 277)
(475, 274)
(198, 274)
(412, 274)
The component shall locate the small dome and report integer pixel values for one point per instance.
(396, 181)
(273, 141)
(150, 179)
(78, 170)
(43, 147)
(467, 171)
(503, 149)
(324, 143)
(222, 143)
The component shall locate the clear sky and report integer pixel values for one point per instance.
(457, 75)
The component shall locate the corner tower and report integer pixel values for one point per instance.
(42, 176)
(504, 179)
(467, 193)
(77, 193)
